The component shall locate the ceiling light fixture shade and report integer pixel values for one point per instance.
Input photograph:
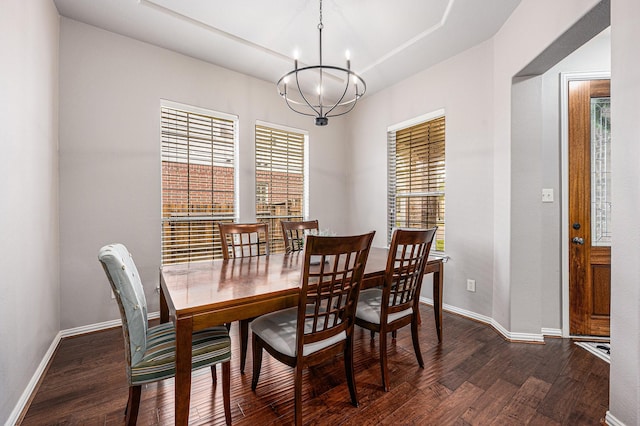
(321, 91)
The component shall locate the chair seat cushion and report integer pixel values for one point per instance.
(278, 330)
(210, 346)
(369, 304)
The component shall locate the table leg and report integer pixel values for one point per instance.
(438, 279)
(184, 331)
(164, 309)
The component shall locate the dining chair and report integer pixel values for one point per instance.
(150, 351)
(293, 233)
(244, 239)
(321, 326)
(240, 240)
(396, 304)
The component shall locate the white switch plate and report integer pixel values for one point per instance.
(471, 285)
(547, 195)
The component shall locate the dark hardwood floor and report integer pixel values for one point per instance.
(474, 378)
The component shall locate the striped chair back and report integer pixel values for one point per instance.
(127, 287)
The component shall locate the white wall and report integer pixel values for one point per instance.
(526, 174)
(594, 56)
(625, 253)
(459, 85)
(536, 164)
(488, 184)
(517, 306)
(110, 91)
(29, 300)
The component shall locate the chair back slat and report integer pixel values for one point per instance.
(293, 233)
(244, 239)
(333, 271)
(408, 256)
(129, 293)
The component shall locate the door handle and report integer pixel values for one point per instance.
(577, 240)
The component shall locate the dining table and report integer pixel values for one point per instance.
(202, 294)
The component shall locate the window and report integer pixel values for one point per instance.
(416, 190)
(198, 181)
(280, 179)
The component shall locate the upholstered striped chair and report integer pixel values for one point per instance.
(150, 351)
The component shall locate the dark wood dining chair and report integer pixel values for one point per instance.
(293, 233)
(150, 352)
(321, 326)
(241, 240)
(244, 239)
(396, 304)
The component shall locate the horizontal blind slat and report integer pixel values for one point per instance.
(279, 156)
(417, 176)
(198, 161)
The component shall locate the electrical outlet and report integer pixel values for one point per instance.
(547, 195)
(471, 285)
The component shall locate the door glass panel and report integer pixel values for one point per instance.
(601, 172)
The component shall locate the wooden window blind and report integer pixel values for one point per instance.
(416, 172)
(280, 178)
(198, 178)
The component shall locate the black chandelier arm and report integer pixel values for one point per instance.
(351, 101)
(338, 102)
(325, 67)
(303, 96)
(290, 103)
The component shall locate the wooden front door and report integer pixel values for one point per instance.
(589, 207)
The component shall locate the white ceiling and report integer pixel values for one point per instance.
(388, 40)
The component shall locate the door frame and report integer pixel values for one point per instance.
(565, 78)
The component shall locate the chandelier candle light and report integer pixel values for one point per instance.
(321, 91)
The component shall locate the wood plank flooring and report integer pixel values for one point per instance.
(473, 378)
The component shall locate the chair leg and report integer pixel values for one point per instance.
(298, 395)
(416, 341)
(383, 360)
(214, 375)
(226, 390)
(373, 334)
(244, 342)
(348, 367)
(257, 362)
(133, 405)
(394, 334)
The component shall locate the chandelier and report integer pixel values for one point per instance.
(321, 91)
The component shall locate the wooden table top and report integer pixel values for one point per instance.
(203, 286)
(197, 295)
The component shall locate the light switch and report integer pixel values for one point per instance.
(547, 195)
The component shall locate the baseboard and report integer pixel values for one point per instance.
(612, 421)
(551, 332)
(508, 335)
(25, 398)
(77, 331)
